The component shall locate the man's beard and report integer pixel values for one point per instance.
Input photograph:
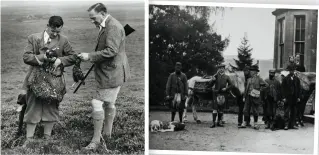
(178, 72)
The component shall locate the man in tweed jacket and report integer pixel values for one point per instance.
(111, 69)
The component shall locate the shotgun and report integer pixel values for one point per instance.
(128, 30)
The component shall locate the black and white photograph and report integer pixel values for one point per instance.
(232, 78)
(72, 77)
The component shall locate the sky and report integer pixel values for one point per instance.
(257, 23)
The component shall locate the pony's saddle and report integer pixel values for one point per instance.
(203, 87)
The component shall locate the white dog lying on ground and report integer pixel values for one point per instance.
(159, 126)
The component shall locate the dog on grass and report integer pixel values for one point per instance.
(159, 126)
(22, 105)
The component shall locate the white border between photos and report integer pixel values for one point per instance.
(146, 82)
(316, 135)
(246, 5)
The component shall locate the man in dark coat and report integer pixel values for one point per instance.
(272, 96)
(222, 85)
(291, 95)
(177, 91)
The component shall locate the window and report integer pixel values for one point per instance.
(299, 39)
(281, 37)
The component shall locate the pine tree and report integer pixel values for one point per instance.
(244, 54)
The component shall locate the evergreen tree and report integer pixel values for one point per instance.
(178, 33)
(244, 54)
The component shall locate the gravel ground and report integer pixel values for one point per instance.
(199, 137)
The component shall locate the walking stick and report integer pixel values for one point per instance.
(128, 30)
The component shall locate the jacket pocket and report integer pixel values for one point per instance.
(109, 65)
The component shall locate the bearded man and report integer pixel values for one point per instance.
(272, 97)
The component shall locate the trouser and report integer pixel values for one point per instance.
(290, 111)
(301, 106)
(218, 111)
(241, 106)
(178, 107)
(180, 114)
(270, 110)
(251, 104)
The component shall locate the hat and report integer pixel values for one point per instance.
(221, 65)
(178, 64)
(254, 68)
(272, 71)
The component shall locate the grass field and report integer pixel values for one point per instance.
(75, 128)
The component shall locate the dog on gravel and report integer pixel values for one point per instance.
(159, 126)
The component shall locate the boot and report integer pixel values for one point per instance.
(243, 125)
(272, 126)
(298, 124)
(255, 126)
(267, 125)
(98, 119)
(214, 120)
(247, 118)
(286, 128)
(180, 114)
(27, 142)
(185, 116)
(173, 116)
(220, 123)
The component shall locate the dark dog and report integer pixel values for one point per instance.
(278, 123)
(22, 100)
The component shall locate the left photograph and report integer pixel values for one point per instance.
(72, 77)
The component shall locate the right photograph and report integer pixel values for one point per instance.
(232, 79)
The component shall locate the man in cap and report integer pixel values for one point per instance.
(222, 85)
(291, 95)
(177, 91)
(272, 96)
(252, 95)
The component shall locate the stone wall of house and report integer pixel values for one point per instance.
(310, 37)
